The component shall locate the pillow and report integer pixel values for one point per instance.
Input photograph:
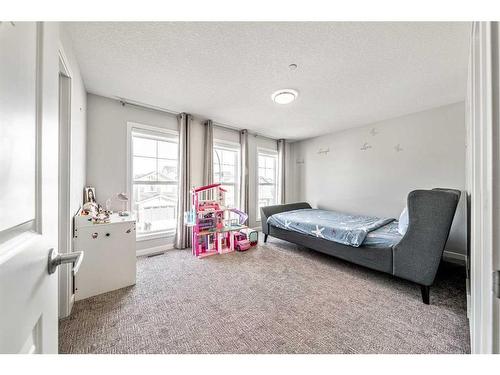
(403, 221)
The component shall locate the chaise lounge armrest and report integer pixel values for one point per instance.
(268, 211)
(417, 256)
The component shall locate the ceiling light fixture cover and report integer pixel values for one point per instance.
(284, 96)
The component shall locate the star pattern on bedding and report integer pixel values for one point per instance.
(344, 228)
(318, 231)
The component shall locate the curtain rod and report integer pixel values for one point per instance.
(124, 101)
(134, 103)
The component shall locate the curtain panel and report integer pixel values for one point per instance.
(281, 170)
(208, 165)
(244, 200)
(182, 238)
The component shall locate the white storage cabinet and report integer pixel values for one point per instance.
(109, 261)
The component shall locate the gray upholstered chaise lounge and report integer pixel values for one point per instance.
(416, 257)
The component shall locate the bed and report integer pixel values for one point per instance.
(373, 242)
(340, 227)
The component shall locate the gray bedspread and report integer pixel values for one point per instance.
(383, 237)
(340, 227)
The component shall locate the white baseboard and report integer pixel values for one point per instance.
(455, 257)
(154, 250)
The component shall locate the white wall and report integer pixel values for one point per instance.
(376, 181)
(226, 134)
(107, 148)
(78, 124)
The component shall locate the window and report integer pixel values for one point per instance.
(267, 169)
(154, 181)
(227, 170)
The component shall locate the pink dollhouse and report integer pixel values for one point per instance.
(214, 228)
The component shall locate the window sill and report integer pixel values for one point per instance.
(154, 236)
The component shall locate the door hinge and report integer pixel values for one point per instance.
(496, 283)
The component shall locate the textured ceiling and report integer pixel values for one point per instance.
(348, 74)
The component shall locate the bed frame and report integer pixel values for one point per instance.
(415, 258)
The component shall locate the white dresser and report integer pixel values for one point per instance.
(109, 262)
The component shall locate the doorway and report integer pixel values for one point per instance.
(483, 161)
(66, 288)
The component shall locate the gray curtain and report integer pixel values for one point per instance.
(244, 205)
(281, 170)
(208, 167)
(182, 238)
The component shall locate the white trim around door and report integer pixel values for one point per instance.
(66, 292)
(483, 143)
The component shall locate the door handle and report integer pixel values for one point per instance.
(56, 260)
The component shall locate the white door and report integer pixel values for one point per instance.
(28, 186)
(495, 70)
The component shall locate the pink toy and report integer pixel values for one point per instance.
(213, 231)
(241, 242)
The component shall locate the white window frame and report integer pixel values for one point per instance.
(130, 188)
(231, 146)
(268, 152)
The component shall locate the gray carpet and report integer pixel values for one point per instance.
(275, 298)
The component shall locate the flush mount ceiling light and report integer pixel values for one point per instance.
(284, 96)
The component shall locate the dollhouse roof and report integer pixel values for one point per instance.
(208, 187)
